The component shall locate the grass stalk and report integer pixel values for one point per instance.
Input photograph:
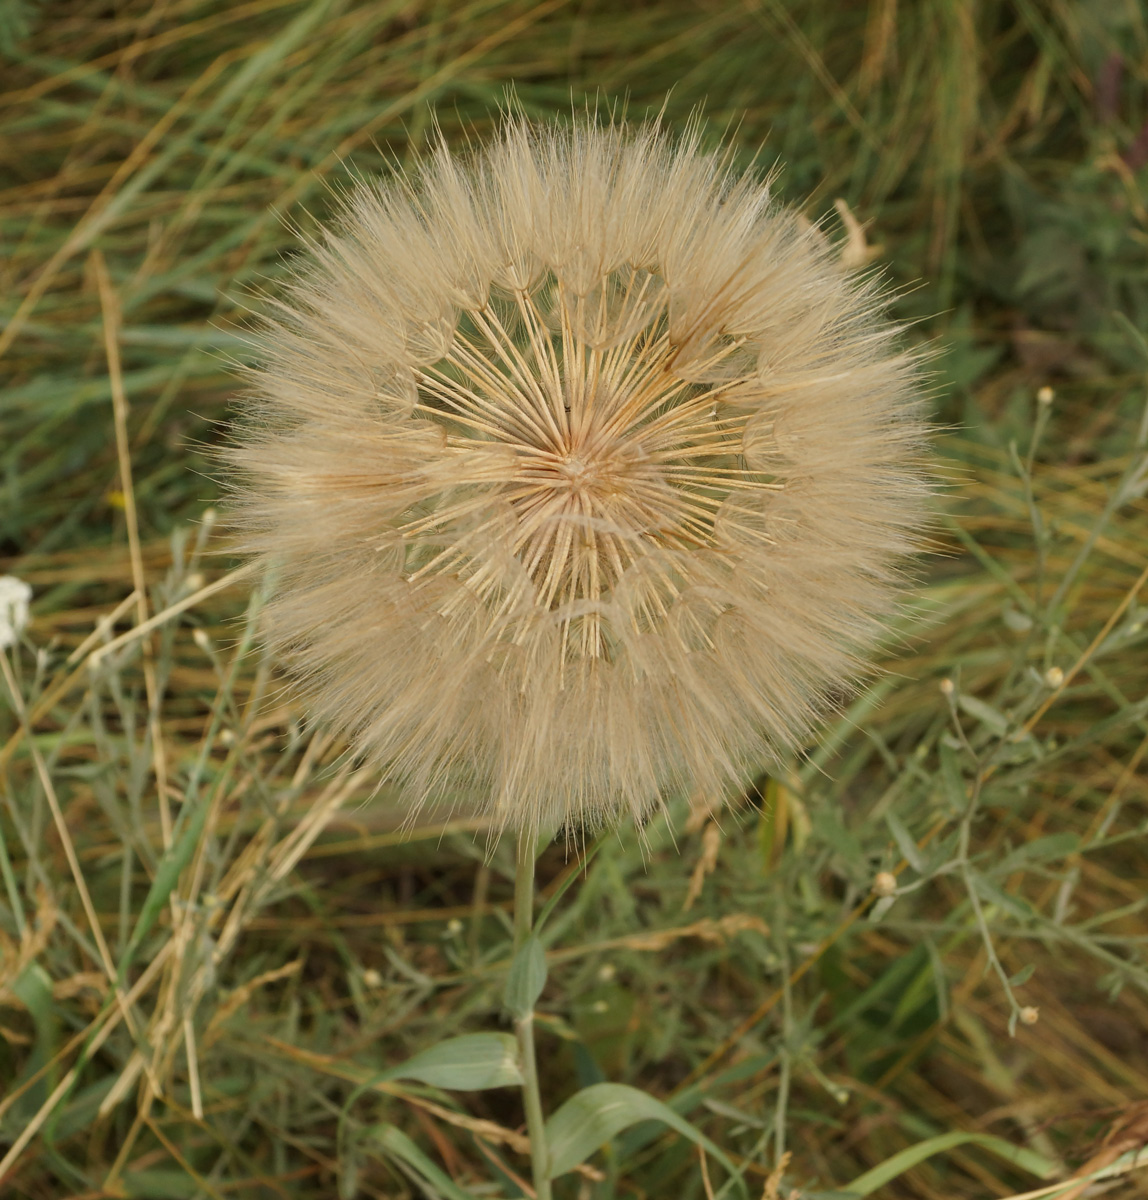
(524, 1025)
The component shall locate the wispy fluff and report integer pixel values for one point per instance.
(586, 471)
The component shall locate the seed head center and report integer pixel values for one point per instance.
(577, 468)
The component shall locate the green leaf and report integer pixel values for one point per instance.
(434, 1180)
(470, 1063)
(1022, 976)
(991, 718)
(33, 987)
(159, 1184)
(773, 799)
(867, 1184)
(830, 829)
(595, 1115)
(166, 879)
(1051, 848)
(1016, 906)
(551, 904)
(952, 779)
(16, 19)
(526, 979)
(905, 843)
(83, 1110)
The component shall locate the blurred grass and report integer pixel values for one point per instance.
(203, 1038)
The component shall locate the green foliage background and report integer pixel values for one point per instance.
(190, 1011)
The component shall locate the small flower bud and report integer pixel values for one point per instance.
(193, 582)
(453, 927)
(606, 972)
(947, 687)
(371, 978)
(208, 519)
(1045, 396)
(1029, 1015)
(15, 596)
(200, 638)
(1054, 677)
(885, 884)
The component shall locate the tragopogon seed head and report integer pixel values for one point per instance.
(587, 471)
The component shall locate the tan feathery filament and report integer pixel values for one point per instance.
(612, 452)
(586, 470)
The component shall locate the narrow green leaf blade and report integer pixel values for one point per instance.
(1015, 906)
(600, 1112)
(883, 1173)
(526, 979)
(992, 718)
(1022, 976)
(905, 842)
(551, 904)
(166, 879)
(435, 1180)
(954, 785)
(470, 1063)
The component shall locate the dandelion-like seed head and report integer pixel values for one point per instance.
(587, 473)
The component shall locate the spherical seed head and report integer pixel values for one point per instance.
(587, 472)
(884, 884)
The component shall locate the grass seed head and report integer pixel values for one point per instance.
(587, 471)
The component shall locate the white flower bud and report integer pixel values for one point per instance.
(15, 596)
(885, 884)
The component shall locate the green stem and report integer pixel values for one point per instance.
(524, 1027)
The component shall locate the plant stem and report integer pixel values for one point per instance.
(524, 1026)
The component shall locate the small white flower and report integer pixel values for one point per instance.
(15, 596)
